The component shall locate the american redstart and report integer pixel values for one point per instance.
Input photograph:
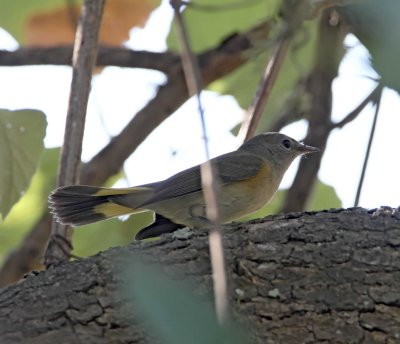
(248, 178)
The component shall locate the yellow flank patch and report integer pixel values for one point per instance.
(112, 209)
(110, 192)
(263, 175)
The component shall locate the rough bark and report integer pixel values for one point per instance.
(331, 276)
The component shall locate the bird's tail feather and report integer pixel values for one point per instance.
(80, 204)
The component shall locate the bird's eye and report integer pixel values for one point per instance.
(286, 143)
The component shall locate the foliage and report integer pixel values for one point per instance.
(296, 66)
(220, 23)
(21, 144)
(171, 311)
(377, 26)
(15, 14)
(243, 82)
(24, 215)
(51, 22)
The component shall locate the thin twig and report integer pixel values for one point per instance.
(234, 5)
(353, 114)
(257, 107)
(292, 18)
(323, 4)
(367, 153)
(83, 61)
(194, 83)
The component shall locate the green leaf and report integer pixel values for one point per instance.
(171, 311)
(207, 28)
(324, 196)
(14, 14)
(25, 214)
(21, 145)
(376, 24)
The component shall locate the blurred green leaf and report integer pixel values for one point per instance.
(24, 215)
(14, 14)
(21, 144)
(171, 311)
(323, 197)
(208, 28)
(376, 24)
(90, 239)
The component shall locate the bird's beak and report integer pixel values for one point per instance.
(304, 149)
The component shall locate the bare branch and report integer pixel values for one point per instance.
(234, 5)
(378, 98)
(83, 61)
(209, 183)
(353, 114)
(253, 115)
(107, 56)
(293, 16)
(323, 4)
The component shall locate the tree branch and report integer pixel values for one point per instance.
(353, 114)
(209, 184)
(330, 276)
(378, 100)
(83, 61)
(293, 16)
(328, 56)
(107, 56)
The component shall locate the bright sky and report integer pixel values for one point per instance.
(118, 93)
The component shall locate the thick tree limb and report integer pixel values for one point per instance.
(215, 63)
(327, 277)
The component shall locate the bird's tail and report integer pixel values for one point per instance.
(80, 204)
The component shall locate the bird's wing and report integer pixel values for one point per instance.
(229, 168)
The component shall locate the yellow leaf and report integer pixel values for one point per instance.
(57, 26)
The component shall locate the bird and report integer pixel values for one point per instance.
(248, 178)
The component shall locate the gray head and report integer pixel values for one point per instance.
(277, 148)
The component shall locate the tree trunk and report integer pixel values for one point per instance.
(331, 276)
